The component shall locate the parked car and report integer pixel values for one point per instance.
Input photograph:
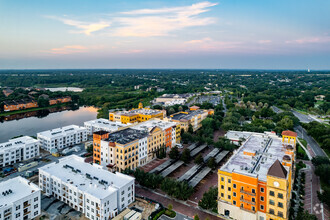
(179, 145)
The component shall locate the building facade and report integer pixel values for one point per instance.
(136, 115)
(60, 138)
(193, 117)
(19, 199)
(256, 181)
(18, 149)
(19, 104)
(89, 189)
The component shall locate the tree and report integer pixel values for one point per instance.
(196, 217)
(171, 111)
(42, 102)
(185, 157)
(211, 163)
(180, 108)
(242, 119)
(199, 159)
(190, 129)
(174, 153)
(209, 200)
(286, 123)
(170, 207)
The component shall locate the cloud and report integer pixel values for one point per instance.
(70, 49)
(132, 51)
(147, 22)
(310, 40)
(208, 44)
(161, 22)
(264, 41)
(84, 27)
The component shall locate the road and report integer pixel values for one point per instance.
(303, 118)
(276, 110)
(311, 142)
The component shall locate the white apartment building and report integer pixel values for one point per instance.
(19, 199)
(102, 124)
(143, 151)
(61, 138)
(18, 149)
(90, 189)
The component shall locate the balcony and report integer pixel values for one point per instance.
(26, 205)
(248, 193)
(248, 210)
(247, 201)
(80, 197)
(26, 213)
(7, 214)
(97, 207)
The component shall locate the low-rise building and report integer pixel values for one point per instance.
(7, 92)
(102, 124)
(97, 193)
(193, 117)
(172, 99)
(19, 199)
(61, 138)
(59, 100)
(256, 182)
(15, 105)
(18, 149)
(136, 115)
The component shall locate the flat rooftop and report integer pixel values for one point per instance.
(150, 124)
(15, 189)
(184, 116)
(61, 131)
(126, 136)
(105, 124)
(256, 155)
(91, 179)
(142, 111)
(16, 143)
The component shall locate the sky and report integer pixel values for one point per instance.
(215, 34)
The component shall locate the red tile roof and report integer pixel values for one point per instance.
(289, 133)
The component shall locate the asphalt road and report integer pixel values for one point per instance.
(303, 118)
(310, 141)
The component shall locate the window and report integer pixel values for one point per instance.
(222, 179)
(229, 197)
(280, 205)
(271, 202)
(234, 186)
(35, 213)
(253, 208)
(253, 200)
(234, 194)
(36, 199)
(18, 207)
(261, 207)
(280, 214)
(18, 215)
(222, 187)
(221, 194)
(271, 193)
(253, 191)
(262, 198)
(280, 195)
(229, 180)
(229, 188)
(262, 189)
(234, 202)
(271, 211)
(36, 206)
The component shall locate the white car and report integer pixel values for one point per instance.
(179, 145)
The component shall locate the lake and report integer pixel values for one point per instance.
(44, 121)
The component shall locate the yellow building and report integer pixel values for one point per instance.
(193, 117)
(256, 181)
(136, 115)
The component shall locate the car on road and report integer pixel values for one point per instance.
(179, 146)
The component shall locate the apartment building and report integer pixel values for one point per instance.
(18, 149)
(61, 138)
(19, 199)
(15, 105)
(97, 193)
(59, 100)
(136, 115)
(102, 124)
(120, 150)
(194, 117)
(256, 181)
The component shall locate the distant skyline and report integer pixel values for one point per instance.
(223, 34)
